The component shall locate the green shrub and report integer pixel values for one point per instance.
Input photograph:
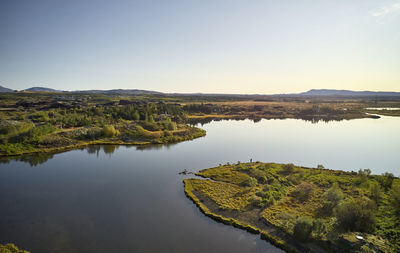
(386, 180)
(303, 228)
(143, 133)
(318, 227)
(40, 117)
(356, 215)
(256, 201)
(258, 174)
(288, 168)
(169, 125)
(94, 133)
(15, 129)
(109, 131)
(151, 126)
(394, 196)
(332, 197)
(375, 192)
(303, 191)
(251, 181)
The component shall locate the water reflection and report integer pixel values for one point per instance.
(312, 119)
(32, 160)
(251, 130)
(95, 149)
(155, 146)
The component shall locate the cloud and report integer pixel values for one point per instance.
(386, 10)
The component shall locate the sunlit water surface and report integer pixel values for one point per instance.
(129, 199)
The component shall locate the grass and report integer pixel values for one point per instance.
(282, 193)
(124, 133)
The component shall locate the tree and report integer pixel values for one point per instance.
(303, 228)
(318, 227)
(386, 180)
(136, 115)
(332, 197)
(109, 131)
(394, 196)
(256, 201)
(303, 191)
(363, 175)
(375, 192)
(288, 168)
(251, 181)
(334, 194)
(356, 215)
(258, 174)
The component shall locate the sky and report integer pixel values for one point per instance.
(209, 46)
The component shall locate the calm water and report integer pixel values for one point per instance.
(128, 199)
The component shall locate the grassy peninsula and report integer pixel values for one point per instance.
(47, 123)
(303, 209)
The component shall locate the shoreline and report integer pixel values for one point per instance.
(277, 242)
(56, 150)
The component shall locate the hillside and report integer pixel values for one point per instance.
(41, 89)
(330, 92)
(4, 89)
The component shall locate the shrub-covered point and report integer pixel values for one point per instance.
(312, 204)
(55, 128)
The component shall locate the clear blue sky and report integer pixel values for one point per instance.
(201, 46)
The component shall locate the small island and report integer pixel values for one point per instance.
(301, 209)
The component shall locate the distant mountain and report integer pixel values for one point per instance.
(4, 89)
(41, 89)
(121, 91)
(347, 93)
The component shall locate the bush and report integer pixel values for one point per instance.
(151, 126)
(94, 133)
(363, 175)
(109, 131)
(34, 134)
(303, 228)
(356, 215)
(258, 174)
(318, 227)
(15, 129)
(251, 181)
(256, 201)
(332, 197)
(386, 180)
(375, 192)
(288, 168)
(394, 196)
(169, 125)
(303, 191)
(143, 133)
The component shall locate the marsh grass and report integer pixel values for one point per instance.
(285, 194)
